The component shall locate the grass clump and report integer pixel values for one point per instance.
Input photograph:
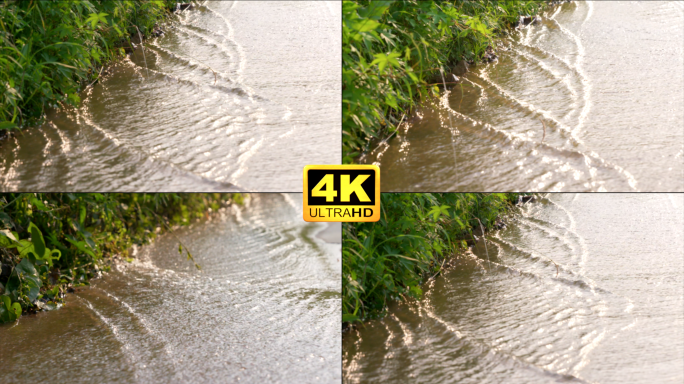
(50, 242)
(391, 48)
(389, 259)
(49, 49)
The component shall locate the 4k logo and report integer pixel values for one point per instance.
(341, 193)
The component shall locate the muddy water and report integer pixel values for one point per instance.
(611, 312)
(265, 308)
(235, 95)
(606, 78)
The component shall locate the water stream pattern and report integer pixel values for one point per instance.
(589, 99)
(265, 307)
(234, 96)
(581, 288)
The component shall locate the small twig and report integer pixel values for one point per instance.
(182, 247)
(484, 241)
(143, 50)
(557, 268)
(447, 82)
(180, 243)
(440, 270)
(97, 78)
(215, 78)
(395, 131)
(384, 141)
(8, 204)
(544, 125)
(451, 123)
(210, 68)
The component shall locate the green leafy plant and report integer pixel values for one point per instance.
(389, 259)
(390, 49)
(8, 311)
(49, 49)
(50, 242)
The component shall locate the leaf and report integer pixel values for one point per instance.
(87, 237)
(52, 293)
(374, 10)
(391, 101)
(37, 240)
(51, 256)
(16, 308)
(437, 211)
(25, 247)
(33, 293)
(38, 204)
(8, 311)
(5, 220)
(29, 277)
(81, 245)
(349, 318)
(383, 60)
(6, 242)
(444, 209)
(95, 18)
(95, 54)
(438, 247)
(26, 270)
(7, 125)
(364, 25)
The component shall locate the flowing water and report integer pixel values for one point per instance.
(235, 95)
(605, 78)
(265, 308)
(582, 288)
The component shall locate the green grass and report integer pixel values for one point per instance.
(390, 50)
(389, 259)
(50, 49)
(52, 241)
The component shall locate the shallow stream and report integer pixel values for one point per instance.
(589, 99)
(264, 308)
(235, 95)
(577, 288)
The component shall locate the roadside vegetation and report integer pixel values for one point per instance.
(390, 259)
(50, 50)
(392, 52)
(52, 242)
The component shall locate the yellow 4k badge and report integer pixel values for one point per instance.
(341, 193)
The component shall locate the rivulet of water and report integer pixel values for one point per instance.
(265, 307)
(581, 288)
(235, 95)
(604, 79)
